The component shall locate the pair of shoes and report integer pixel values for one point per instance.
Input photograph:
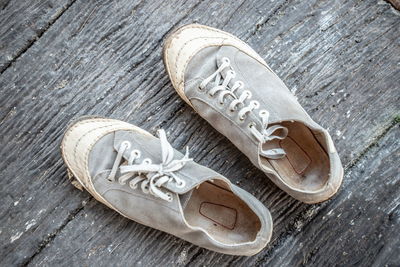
(144, 179)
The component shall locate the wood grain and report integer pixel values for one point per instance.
(24, 22)
(360, 227)
(104, 58)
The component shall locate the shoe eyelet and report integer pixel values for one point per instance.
(225, 59)
(147, 161)
(136, 153)
(131, 185)
(232, 110)
(170, 198)
(221, 103)
(181, 184)
(255, 104)
(127, 144)
(251, 125)
(232, 73)
(248, 93)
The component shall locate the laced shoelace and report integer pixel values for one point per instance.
(151, 176)
(262, 135)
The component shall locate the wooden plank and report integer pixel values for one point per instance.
(23, 22)
(358, 227)
(34, 186)
(105, 59)
(361, 226)
(338, 64)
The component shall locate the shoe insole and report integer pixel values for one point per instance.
(306, 164)
(221, 213)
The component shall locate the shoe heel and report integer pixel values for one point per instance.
(73, 180)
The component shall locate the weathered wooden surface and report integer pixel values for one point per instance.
(104, 58)
(361, 226)
(24, 22)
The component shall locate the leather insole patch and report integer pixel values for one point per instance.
(220, 214)
(296, 156)
(223, 215)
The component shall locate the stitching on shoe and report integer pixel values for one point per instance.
(89, 186)
(158, 201)
(239, 69)
(191, 27)
(222, 43)
(189, 58)
(83, 136)
(180, 32)
(195, 52)
(69, 131)
(256, 56)
(119, 127)
(184, 45)
(234, 123)
(208, 29)
(175, 78)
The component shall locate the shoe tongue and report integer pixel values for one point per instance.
(184, 198)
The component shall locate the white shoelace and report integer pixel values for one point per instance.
(265, 133)
(151, 176)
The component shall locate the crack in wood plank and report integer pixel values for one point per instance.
(390, 214)
(53, 235)
(173, 115)
(5, 4)
(307, 215)
(302, 219)
(259, 25)
(33, 40)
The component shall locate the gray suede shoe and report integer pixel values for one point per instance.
(233, 88)
(146, 180)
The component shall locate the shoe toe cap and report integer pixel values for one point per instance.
(184, 43)
(79, 139)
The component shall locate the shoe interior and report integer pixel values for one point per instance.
(223, 215)
(306, 165)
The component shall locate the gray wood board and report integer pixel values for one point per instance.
(105, 58)
(361, 225)
(22, 23)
